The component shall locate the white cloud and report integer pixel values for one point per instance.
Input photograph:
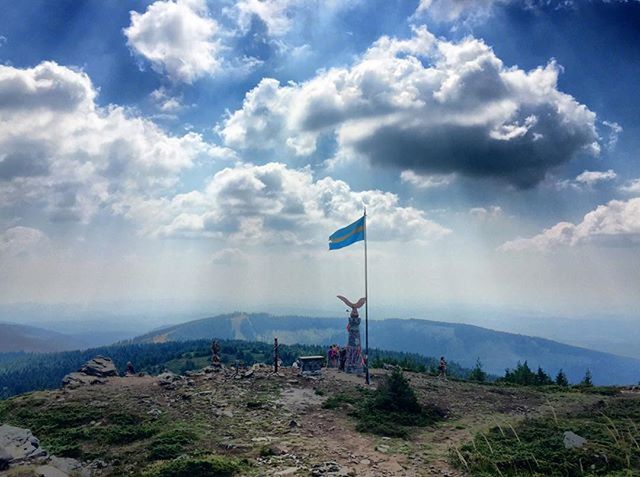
(614, 132)
(19, 240)
(280, 16)
(632, 187)
(484, 214)
(591, 178)
(165, 102)
(616, 222)
(177, 37)
(275, 14)
(451, 10)
(426, 181)
(272, 203)
(464, 112)
(62, 154)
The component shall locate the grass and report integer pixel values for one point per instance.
(535, 446)
(207, 466)
(72, 429)
(171, 444)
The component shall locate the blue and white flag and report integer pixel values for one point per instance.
(348, 235)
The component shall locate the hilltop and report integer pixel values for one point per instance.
(257, 423)
(14, 337)
(458, 342)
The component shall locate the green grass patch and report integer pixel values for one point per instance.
(535, 447)
(208, 466)
(171, 444)
(71, 429)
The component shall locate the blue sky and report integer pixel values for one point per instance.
(204, 150)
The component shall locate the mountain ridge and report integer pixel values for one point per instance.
(463, 343)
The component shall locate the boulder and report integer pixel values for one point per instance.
(573, 441)
(50, 471)
(19, 446)
(100, 366)
(5, 459)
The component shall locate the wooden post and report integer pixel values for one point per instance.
(276, 357)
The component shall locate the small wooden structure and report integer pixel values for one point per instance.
(311, 365)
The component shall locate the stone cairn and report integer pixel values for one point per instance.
(216, 364)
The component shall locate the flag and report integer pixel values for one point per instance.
(347, 235)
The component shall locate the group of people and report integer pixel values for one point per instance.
(336, 357)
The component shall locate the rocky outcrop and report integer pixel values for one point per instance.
(99, 366)
(18, 445)
(94, 371)
(19, 449)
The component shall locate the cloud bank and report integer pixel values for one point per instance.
(428, 105)
(617, 222)
(64, 155)
(273, 203)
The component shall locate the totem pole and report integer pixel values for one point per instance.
(354, 361)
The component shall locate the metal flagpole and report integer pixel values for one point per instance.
(366, 304)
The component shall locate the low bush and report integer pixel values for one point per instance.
(209, 466)
(171, 444)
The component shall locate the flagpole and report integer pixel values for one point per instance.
(366, 304)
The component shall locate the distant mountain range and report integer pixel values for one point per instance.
(14, 337)
(458, 342)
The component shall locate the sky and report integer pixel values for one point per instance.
(182, 151)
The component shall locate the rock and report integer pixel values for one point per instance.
(74, 380)
(49, 471)
(100, 366)
(168, 379)
(293, 423)
(573, 441)
(5, 458)
(382, 448)
(365, 462)
(331, 469)
(288, 471)
(70, 466)
(20, 445)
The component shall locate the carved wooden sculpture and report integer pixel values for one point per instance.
(354, 361)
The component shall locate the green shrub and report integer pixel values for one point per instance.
(391, 410)
(210, 466)
(170, 444)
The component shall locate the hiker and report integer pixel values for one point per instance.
(442, 368)
(343, 358)
(130, 369)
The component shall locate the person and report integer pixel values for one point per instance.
(130, 369)
(442, 368)
(343, 358)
